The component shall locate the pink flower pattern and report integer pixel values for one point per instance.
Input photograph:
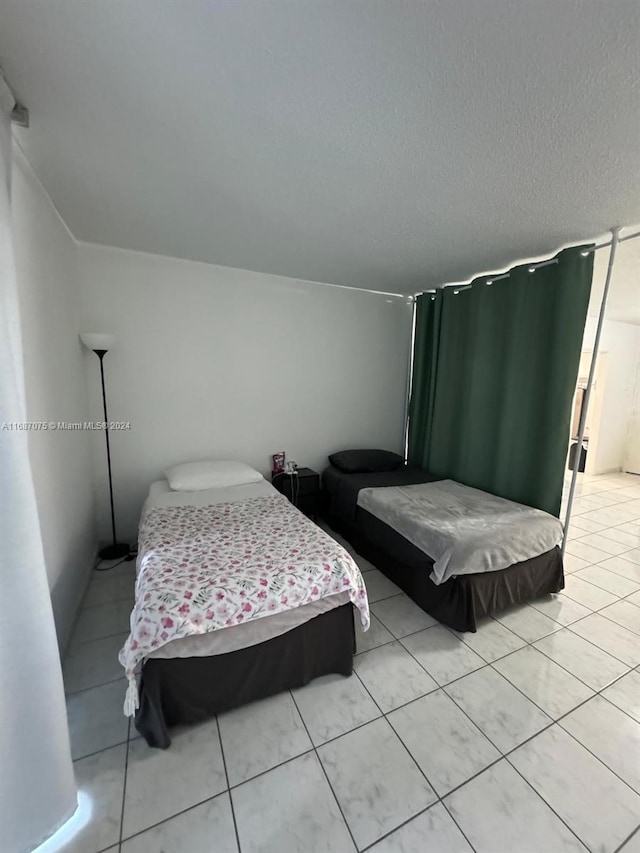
(205, 568)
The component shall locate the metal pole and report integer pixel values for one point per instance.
(615, 239)
(412, 338)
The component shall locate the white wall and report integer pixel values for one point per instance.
(55, 391)
(622, 343)
(218, 362)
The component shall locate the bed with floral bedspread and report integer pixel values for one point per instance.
(206, 568)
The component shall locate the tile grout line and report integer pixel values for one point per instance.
(384, 716)
(601, 588)
(554, 721)
(454, 819)
(627, 840)
(597, 757)
(177, 814)
(77, 643)
(85, 607)
(601, 563)
(486, 664)
(69, 693)
(195, 805)
(568, 671)
(624, 598)
(439, 798)
(124, 786)
(314, 749)
(588, 686)
(500, 752)
(604, 560)
(226, 776)
(98, 751)
(597, 506)
(538, 794)
(507, 755)
(577, 601)
(603, 534)
(606, 569)
(595, 645)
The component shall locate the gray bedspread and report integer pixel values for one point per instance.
(463, 530)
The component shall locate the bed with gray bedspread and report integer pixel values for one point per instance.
(463, 530)
(459, 600)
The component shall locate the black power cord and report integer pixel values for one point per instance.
(295, 483)
(99, 568)
(131, 556)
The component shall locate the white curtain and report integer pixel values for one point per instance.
(37, 788)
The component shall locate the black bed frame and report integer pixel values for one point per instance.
(189, 690)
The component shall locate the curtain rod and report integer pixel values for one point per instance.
(489, 281)
(609, 243)
(532, 267)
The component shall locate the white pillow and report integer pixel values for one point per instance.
(196, 476)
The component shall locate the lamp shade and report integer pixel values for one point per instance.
(97, 340)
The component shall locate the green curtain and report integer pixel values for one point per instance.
(495, 370)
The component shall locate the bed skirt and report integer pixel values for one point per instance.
(189, 690)
(460, 601)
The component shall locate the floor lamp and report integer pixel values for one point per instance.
(101, 344)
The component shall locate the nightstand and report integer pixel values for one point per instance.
(304, 493)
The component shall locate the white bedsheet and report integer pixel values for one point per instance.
(238, 636)
(463, 530)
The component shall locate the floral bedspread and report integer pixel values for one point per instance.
(205, 568)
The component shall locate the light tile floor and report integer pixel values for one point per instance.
(521, 738)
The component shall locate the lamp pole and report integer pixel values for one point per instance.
(101, 354)
(100, 345)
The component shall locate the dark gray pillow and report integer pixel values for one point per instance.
(365, 461)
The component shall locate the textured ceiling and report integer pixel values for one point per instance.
(385, 144)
